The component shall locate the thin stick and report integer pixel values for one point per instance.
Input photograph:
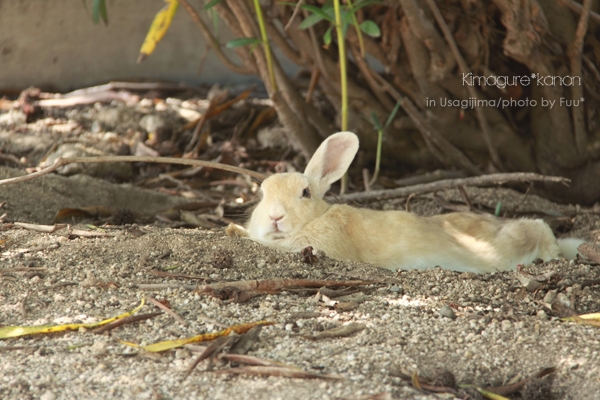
(296, 10)
(483, 180)
(168, 311)
(213, 42)
(485, 128)
(124, 321)
(160, 160)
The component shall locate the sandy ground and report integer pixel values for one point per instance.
(500, 332)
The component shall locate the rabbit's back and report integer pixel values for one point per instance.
(457, 241)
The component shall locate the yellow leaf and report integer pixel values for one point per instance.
(591, 321)
(16, 331)
(486, 393)
(584, 319)
(491, 395)
(160, 25)
(595, 316)
(172, 344)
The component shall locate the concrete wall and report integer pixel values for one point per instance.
(54, 44)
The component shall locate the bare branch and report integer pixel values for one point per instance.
(483, 180)
(160, 160)
(213, 42)
(296, 10)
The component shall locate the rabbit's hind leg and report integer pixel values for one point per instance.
(528, 239)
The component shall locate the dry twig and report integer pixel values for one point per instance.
(160, 160)
(483, 180)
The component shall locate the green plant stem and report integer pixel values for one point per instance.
(265, 40)
(342, 55)
(343, 77)
(361, 42)
(377, 157)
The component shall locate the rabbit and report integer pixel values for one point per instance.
(292, 215)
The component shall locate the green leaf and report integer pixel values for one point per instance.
(309, 21)
(347, 17)
(360, 4)
(324, 13)
(498, 209)
(211, 4)
(99, 11)
(370, 28)
(376, 122)
(392, 115)
(327, 36)
(242, 42)
(345, 24)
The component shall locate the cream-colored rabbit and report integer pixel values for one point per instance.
(293, 215)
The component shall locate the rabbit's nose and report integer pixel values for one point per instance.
(275, 219)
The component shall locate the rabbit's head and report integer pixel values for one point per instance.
(292, 200)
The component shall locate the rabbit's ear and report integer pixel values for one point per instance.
(331, 160)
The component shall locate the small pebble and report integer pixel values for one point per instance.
(182, 354)
(151, 122)
(99, 347)
(395, 289)
(563, 300)
(541, 314)
(48, 395)
(550, 296)
(447, 312)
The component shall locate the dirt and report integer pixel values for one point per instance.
(496, 331)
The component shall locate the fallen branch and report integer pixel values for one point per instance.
(159, 160)
(124, 321)
(275, 285)
(40, 228)
(483, 180)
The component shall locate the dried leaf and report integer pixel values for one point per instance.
(158, 28)
(83, 212)
(590, 251)
(515, 387)
(530, 284)
(245, 342)
(17, 331)
(307, 255)
(172, 344)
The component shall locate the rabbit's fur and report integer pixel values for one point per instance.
(292, 215)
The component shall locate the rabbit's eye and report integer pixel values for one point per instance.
(306, 193)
